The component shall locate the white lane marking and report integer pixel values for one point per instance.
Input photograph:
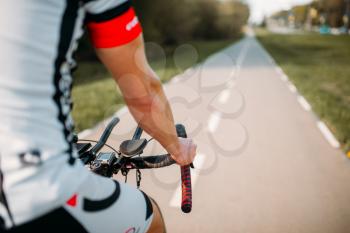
(328, 134)
(198, 164)
(224, 95)
(175, 79)
(242, 55)
(214, 120)
(189, 70)
(292, 88)
(304, 104)
(279, 70)
(284, 78)
(240, 59)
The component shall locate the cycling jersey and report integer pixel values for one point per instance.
(39, 171)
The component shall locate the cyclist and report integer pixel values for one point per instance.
(44, 188)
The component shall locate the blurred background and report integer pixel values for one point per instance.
(308, 39)
(263, 87)
(323, 16)
(206, 25)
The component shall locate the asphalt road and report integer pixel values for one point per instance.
(263, 164)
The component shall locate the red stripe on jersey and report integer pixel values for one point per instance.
(118, 31)
(72, 201)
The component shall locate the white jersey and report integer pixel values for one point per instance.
(37, 41)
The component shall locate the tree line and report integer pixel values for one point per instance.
(334, 13)
(172, 22)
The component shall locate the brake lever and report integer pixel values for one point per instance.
(103, 139)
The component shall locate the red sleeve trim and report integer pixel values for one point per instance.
(115, 32)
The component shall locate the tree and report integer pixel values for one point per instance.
(333, 11)
(220, 19)
(172, 22)
(167, 22)
(207, 13)
(300, 13)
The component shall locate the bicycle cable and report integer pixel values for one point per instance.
(94, 141)
(138, 178)
(150, 140)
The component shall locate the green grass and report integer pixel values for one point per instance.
(320, 68)
(96, 95)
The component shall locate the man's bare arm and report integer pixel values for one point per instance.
(144, 95)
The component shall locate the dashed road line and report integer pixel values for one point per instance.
(175, 79)
(224, 95)
(279, 70)
(292, 88)
(213, 124)
(242, 55)
(284, 78)
(328, 134)
(214, 121)
(189, 70)
(307, 107)
(304, 104)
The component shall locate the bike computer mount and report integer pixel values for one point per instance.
(129, 157)
(103, 163)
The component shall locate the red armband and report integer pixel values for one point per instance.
(115, 32)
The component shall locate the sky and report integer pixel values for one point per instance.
(259, 8)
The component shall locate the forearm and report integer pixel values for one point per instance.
(153, 113)
(142, 91)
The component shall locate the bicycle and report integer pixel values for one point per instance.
(129, 157)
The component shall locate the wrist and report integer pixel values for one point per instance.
(174, 148)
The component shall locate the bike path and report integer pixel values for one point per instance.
(263, 164)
